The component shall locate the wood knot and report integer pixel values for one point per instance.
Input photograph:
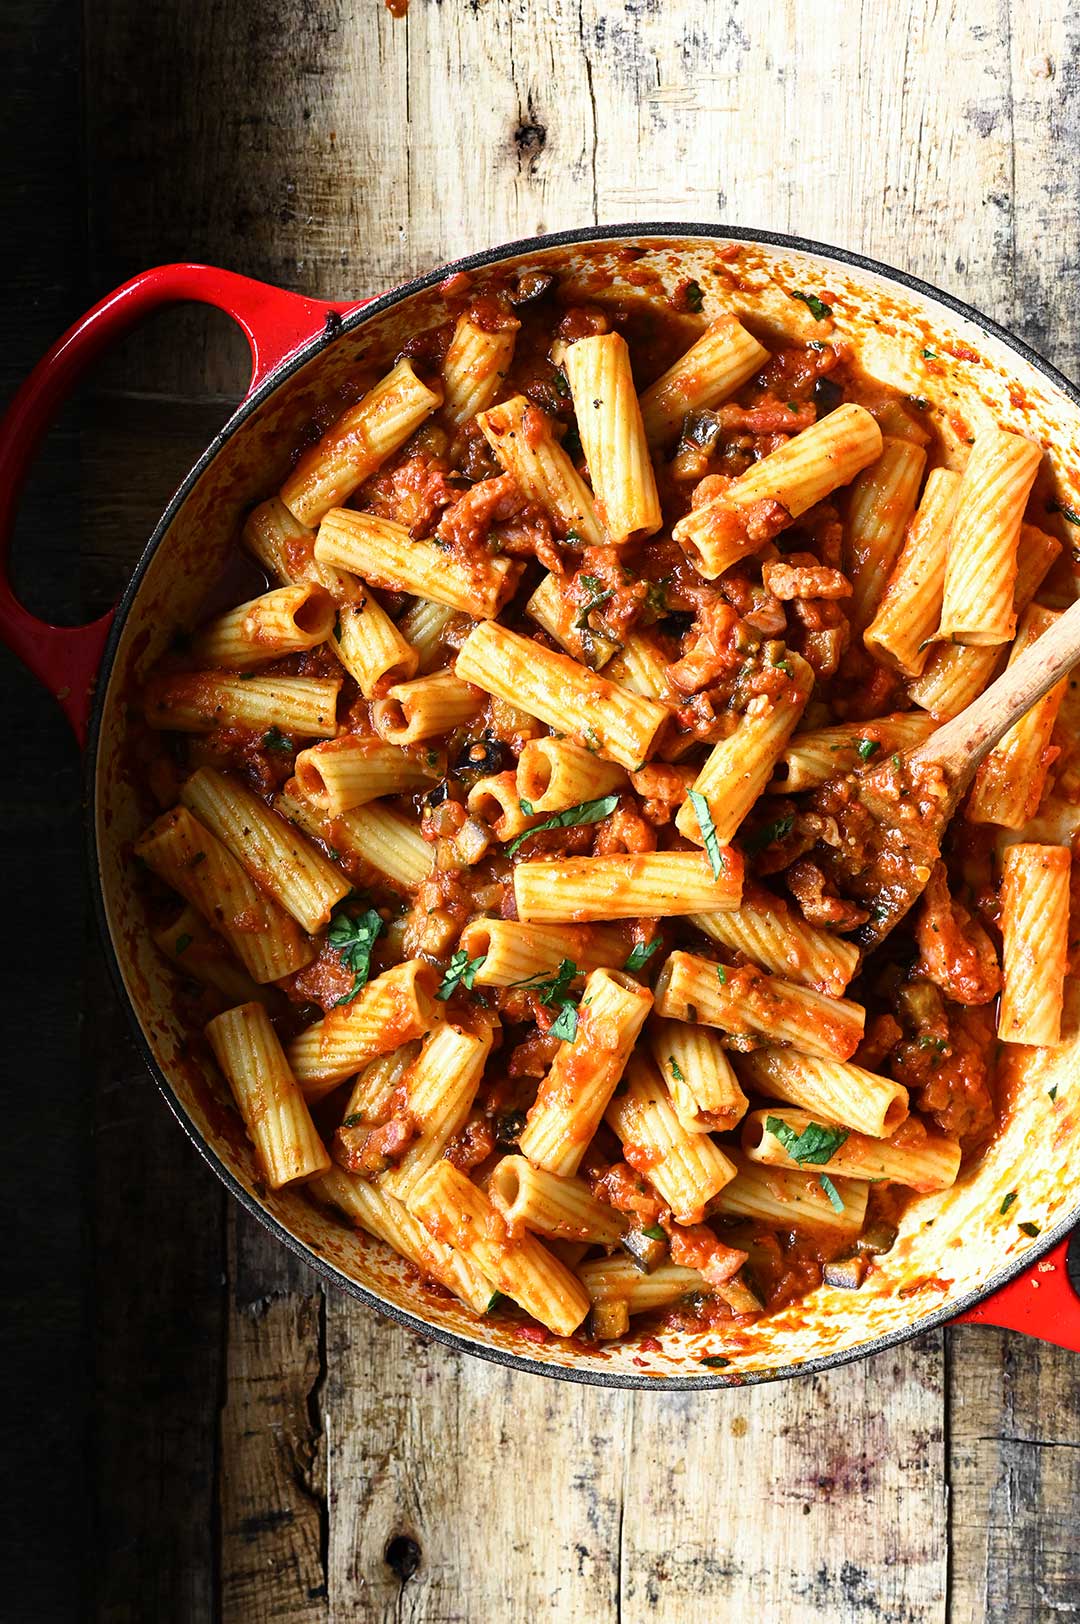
(530, 140)
(402, 1556)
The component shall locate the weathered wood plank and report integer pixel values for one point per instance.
(1015, 1479)
(823, 1498)
(460, 1491)
(273, 1477)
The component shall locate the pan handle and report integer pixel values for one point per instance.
(1042, 1302)
(66, 658)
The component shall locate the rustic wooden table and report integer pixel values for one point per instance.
(218, 1435)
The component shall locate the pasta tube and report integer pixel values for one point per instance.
(743, 1000)
(275, 1112)
(371, 648)
(907, 615)
(955, 674)
(414, 711)
(704, 1089)
(738, 767)
(423, 627)
(353, 769)
(560, 692)
(358, 443)
(572, 1098)
(440, 1087)
(386, 556)
(1010, 782)
(553, 774)
(182, 852)
(717, 364)
(512, 952)
(286, 551)
(613, 436)
(197, 952)
(285, 621)
(458, 1213)
(394, 1008)
(788, 1200)
(927, 1163)
(520, 435)
(288, 867)
(881, 503)
(476, 364)
(837, 1091)
(824, 752)
(651, 885)
(200, 701)
(980, 571)
(771, 933)
(562, 620)
(383, 1216)
(1035, 933)
(799, 475)
(372, 836)
(686, 1169)
(564, 1208)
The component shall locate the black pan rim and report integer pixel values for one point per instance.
(334, 328)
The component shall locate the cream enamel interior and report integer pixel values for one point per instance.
(951, 1244)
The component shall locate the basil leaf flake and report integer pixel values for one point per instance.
(816, 1144)
(831, 1191)
(584, 812)
(708, 833)
(354, 936)
(462, 972)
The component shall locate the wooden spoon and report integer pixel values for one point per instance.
(891, 818)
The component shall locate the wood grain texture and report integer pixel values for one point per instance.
(255, 1453)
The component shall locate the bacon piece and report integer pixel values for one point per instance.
(955, 951)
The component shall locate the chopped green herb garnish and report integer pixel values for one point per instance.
(694, 296)
(866, 748)
(641, 953)
(585, 812)
(928, 355)
(1007, 1203)
(354, 936)
(939, 1045)
(246, 676)
(1051, 1093)
(462, 971)
(526, 807)
(335, 855)
(831, 1191)
(551, 989)
(573, 535)
(721, 974)
(897, 763)
(715, 1361)
(768, 833)
(817, 307)
(1031, 1229)
(494, 1301)
(816, 1144)
(183, 943)
(356, 1120)
(564, 1026)
(708, 833)
(920, 403)
(600, 596)
(562, 387)
(655, 1233)
(274, 739)
(1066, 512)
(676, 1070)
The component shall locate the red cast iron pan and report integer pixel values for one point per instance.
(1032, 1293)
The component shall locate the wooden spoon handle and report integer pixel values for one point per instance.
(961, 744)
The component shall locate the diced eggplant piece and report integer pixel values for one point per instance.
(828, 395)
(700, 430)
(739, 1298)
(848, 1273)
(877, 1238)
(531, 285)
(647, 1247)
(609, 1319)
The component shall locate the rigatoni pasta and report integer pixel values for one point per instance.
(495, 834)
